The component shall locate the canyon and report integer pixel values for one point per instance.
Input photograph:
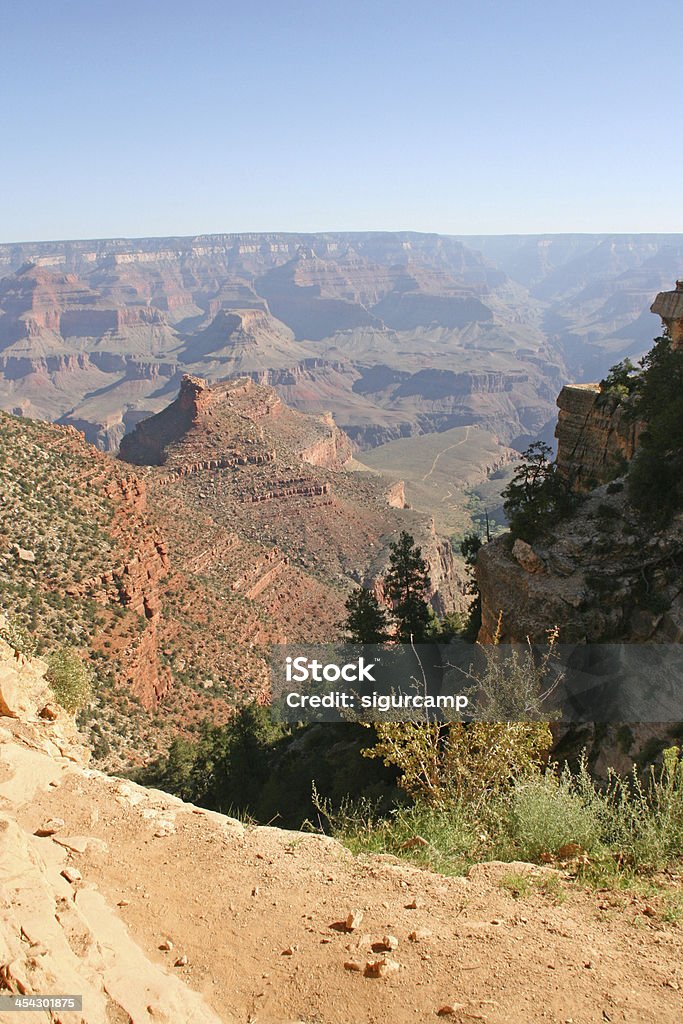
(395, 334)
(228, 523)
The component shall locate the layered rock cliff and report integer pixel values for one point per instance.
(600, 576)
(596, 436)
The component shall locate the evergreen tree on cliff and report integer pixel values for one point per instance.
(656, 474)
(366, 622)
(407, 585)
(537, 496)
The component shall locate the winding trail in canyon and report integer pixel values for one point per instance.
(444, 450)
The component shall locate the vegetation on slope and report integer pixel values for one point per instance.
(441, 795)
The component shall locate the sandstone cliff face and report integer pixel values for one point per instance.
(137, 582)
(595, 436)
(332, 451)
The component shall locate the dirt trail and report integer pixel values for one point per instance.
(252, 909)
(443, 452)
(161, 913)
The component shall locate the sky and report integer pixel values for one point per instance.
(158, 117)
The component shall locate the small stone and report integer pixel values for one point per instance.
(182, 961)
(419, 934)
(352, 965)
(289, 951)
(72, 875)
(415, 841)
(448, 1009)
(414, 904)
(354, 920)
(23, 554)
(255, 891)
(50, 713)
(381, 968)
(166, 946)
(123, 903)
(50, 827)
(390, 942)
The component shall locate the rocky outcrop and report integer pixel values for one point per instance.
(596, 436)
(223, 426)
(58, 934)
(224, 462)
(135, 584)
(294, 487)
(396, 495)
(669, 305)
(332, 451)
(601, 575)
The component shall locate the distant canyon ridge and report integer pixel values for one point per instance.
(397, 334)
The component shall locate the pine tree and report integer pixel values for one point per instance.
(407, 583)
(537, 497)
(366, 622)
(469, 548)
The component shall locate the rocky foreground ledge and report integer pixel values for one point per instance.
(160, 912)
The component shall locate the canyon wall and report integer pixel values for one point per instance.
(602, 573)
(596, 436)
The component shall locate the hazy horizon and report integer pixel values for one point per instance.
(329, 231)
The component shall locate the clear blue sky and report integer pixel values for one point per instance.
(155, 117)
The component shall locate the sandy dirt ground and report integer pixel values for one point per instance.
(256, 921)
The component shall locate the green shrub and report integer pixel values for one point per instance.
(17, 636)
(546, 813)
(70, 679)
(646, 818)
(438, 839)
(631, 826)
